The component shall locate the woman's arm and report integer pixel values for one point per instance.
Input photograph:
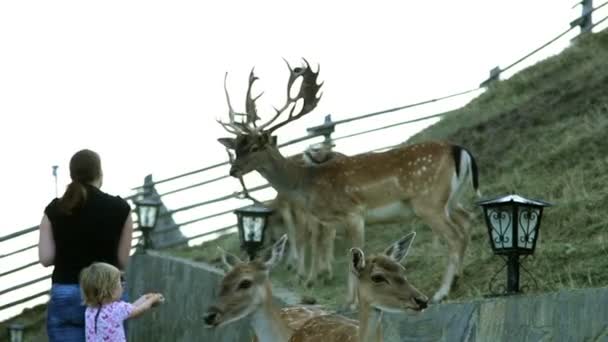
(124, 245)
(46, 243)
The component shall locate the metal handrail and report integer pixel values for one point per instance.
(417, 104)
(179, 225)
(18, 233)
(215, 200)
(18, 251)
(391, 126)
(23, 300)
(19, 268)
(186, 240)
(16, 287)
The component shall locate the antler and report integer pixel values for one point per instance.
(250, 114)
(250, 107)
(308, 93)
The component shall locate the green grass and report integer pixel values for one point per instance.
(541, 134)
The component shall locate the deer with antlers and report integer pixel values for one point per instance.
(429, 176)
(246, 293)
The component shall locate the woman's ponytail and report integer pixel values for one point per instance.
(74, 197)
(85, 168)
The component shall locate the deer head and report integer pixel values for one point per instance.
(245, 288)
(253, 142)
(382, 281)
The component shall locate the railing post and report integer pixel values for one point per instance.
(55, 167)
(587, 22)
(494, 76)
(326, 129)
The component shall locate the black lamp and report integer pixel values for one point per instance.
(513, 228)
(15, 332)
(147, 214)
(252, 223)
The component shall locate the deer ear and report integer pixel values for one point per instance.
(357, 260)
(229, 260)
(228, 142)
(399, 249)
(277, 252)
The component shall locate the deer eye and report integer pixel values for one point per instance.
(377, 278)
(245, 284)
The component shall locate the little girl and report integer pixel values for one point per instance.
(101, 289)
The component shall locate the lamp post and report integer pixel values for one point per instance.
(513, 228)
(15, 332)
(55, 167)
(147, 215)
(252, 221)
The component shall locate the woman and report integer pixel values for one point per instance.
(84, 226)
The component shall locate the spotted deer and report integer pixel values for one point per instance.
(302, 233)
(429, 176)
(246, 293)
(382, 287)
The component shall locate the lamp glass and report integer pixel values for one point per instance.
(528, 222)
(147, 215)
(16, 332)
(252, 228)
(500, 219)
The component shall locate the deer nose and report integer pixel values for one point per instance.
(212, 315)
(234, 171)
(422, 303)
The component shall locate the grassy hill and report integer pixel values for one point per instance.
(541, 134)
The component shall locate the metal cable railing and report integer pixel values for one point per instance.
(225, 229)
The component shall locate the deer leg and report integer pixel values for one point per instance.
(327, 237)
(302, 242)
(462, 219)
(288, 220)
(355, 227)
(436, 218)
(315, 252)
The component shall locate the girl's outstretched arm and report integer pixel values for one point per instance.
(144, 303)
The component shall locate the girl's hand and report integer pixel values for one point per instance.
(157, 299)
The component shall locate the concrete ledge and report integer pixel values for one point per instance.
(574, 315)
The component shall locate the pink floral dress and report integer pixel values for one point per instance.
(106, 325)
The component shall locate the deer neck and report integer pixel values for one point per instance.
(267, 322)
(370, 323)
(284, 175)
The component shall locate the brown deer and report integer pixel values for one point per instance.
(382, 287)
(429, 176)
(302, 234)
(246, 293)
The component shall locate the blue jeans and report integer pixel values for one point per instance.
(65, 313)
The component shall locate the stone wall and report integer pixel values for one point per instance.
(189, 287)
(575, 315)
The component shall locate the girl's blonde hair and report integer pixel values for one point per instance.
(98, 283)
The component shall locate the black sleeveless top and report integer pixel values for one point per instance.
(89, 234)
